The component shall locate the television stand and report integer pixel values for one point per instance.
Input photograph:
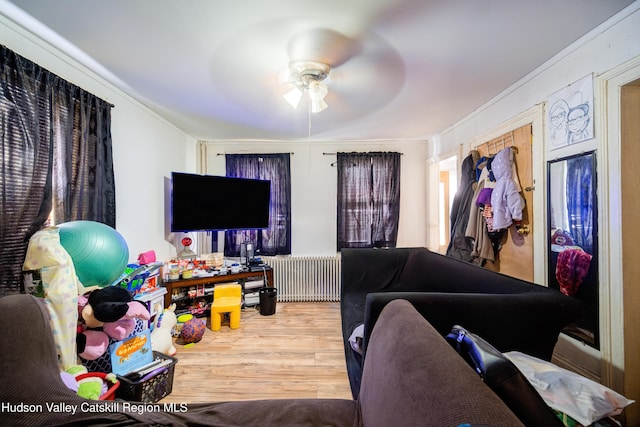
(242, 277)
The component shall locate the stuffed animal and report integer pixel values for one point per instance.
(161, 336)
(89, 385)
(106, 313)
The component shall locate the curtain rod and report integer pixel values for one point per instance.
(255, 154)
(362, 152)
(359, 152)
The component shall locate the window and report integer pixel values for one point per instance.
(275, 240)
(368, 199)
(56, 157)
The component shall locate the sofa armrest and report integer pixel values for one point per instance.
(412, 377)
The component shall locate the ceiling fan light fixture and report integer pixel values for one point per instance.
(317, 92)
(318, 105)
(299, 70)
(293, 97)
(308, 75)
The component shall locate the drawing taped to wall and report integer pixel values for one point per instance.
(570, 114)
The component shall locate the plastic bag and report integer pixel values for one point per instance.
(582, 399)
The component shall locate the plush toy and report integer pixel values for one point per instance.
(161, 336)
(87, 384)
(106, 313)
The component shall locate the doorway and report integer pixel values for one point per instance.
(447, 187)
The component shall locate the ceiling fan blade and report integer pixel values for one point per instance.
(323, 45)
(372, 78)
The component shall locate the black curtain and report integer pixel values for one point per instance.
(84, 186)
(368, 199)
(35, 123)
(26, 167)
(276, 239)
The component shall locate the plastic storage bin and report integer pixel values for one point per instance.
(149, 389)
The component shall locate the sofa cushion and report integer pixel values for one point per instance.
(413, 377)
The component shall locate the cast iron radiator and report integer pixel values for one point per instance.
(306, 278)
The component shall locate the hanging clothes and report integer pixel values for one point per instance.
(482, 249)
(506, 202)
(460, 246)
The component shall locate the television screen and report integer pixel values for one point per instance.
(207, 202)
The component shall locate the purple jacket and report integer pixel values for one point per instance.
(506, 200)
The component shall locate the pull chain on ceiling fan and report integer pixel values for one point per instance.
(309, 76)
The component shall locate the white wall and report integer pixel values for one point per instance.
(607, 46)
(146, 148)
(314, 186)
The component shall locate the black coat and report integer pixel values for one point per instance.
(461, 246)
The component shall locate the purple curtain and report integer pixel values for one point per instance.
(276, 239)
(368, 199)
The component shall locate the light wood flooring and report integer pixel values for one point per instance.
(295, 353)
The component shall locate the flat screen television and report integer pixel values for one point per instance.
(208, 202)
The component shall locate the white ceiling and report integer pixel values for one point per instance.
(401, 69)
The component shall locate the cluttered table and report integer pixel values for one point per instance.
(195, 281)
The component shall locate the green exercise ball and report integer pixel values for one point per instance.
(99, 253)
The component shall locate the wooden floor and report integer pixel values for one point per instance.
(295, 353)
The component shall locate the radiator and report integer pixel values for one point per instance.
(306, 278)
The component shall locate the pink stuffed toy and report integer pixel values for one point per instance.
(106, 313)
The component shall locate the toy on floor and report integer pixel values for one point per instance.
(114, 311)
(87, 384)
(161, 336)
(192, 331)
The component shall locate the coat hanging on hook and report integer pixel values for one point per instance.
(506, 201)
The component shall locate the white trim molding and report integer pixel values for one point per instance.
(608, 87)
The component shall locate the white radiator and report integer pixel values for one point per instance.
(306, 278)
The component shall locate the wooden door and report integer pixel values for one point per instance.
(630, 150)
(516, 256)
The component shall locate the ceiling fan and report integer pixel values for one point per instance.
(312, 53)
(363, 68)
(355, 72)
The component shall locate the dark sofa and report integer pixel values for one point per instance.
(412, 377)
(509, 313)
